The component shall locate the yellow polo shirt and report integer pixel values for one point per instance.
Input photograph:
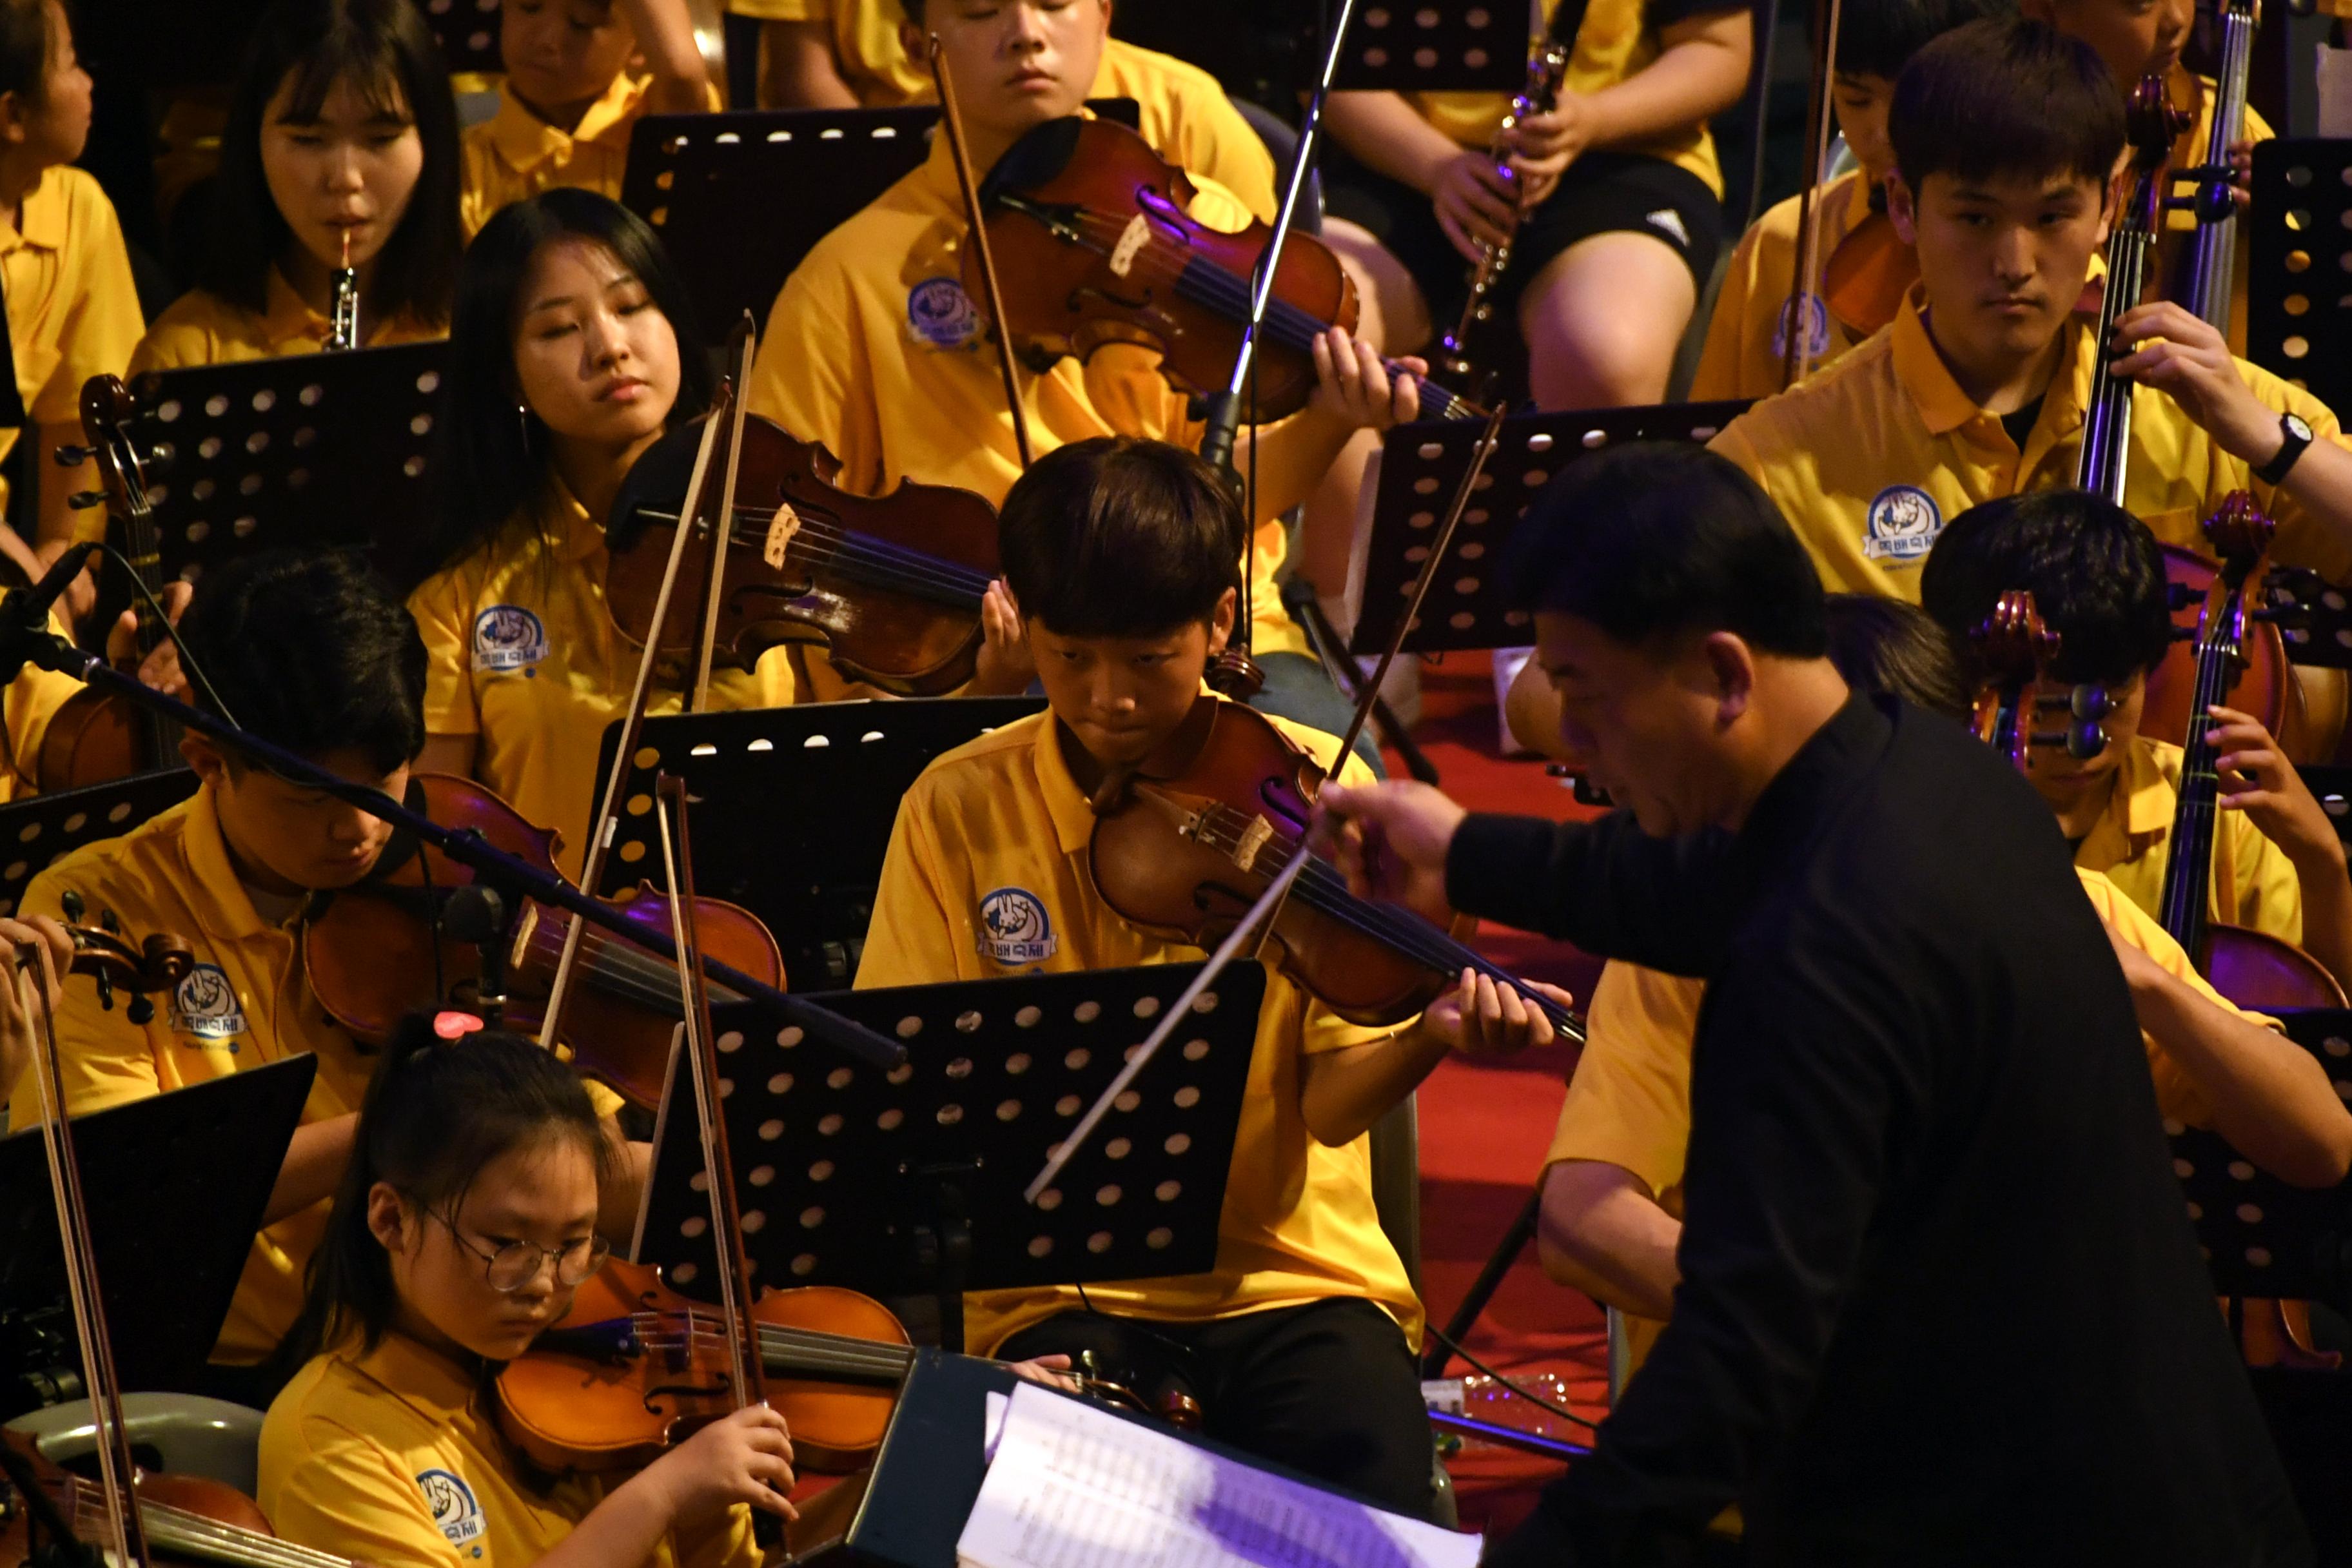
(874, 351)
(1870, 457)
(515, 154)
(393, 1457)
(1184, 112)
(1628, 1103)
(523, 655)
(1001, 818)
(1617, 40)
(32, 700)
(201, 328)
(1745, 338)
(72, 311)
(2195, 94)
(2254, 883)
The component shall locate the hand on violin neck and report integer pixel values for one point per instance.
(1480, 1017)
(1391, 841)
(1355, 388)
(1005, 666)
(160, 669)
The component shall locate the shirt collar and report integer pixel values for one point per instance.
(524, 140)
(425, 1380)
(41, 216)
(289, 316)
(225, 908)
(570, 533)
(1065, 803)
(1944, 407)
(2140, 806)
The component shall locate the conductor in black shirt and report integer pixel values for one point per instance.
(1940, 1303)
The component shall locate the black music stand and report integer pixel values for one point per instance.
(468, 31)
(37, 830)
(2333, 787)
(2261, 1236)
(797, 805)
(2298, 323)
(1422, 465)
(2314, 616)
(316, 449)
(912, 1181)
(1426, 46)
(694, 176)
(175, 1185)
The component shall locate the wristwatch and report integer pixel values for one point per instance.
(2298, 437)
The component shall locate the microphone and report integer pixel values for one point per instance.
(28, 609)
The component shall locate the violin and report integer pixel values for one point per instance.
(416, 933)
(889, 587)
(95, 737)
(2151, 123)
(159, 962)
(634, 1366)
(1869, 271)
(2250, 968)
(1092, 246)
(187, 1519)
(1186, 855)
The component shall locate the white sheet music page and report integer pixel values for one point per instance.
(1074, 1487)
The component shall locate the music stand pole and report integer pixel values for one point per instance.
(1225, 407)
(20, 645)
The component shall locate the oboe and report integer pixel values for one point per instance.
(344, 332)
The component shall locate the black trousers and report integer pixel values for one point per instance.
(1328, 1389)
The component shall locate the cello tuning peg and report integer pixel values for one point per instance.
(70, 902)
(73, 457)
(140, 1012)
(82, 500)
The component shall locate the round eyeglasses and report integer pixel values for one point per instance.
(515, 1265)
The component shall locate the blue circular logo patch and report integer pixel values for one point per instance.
(1015, 927)
(507, 637)
(1902, 524)
(938, 312)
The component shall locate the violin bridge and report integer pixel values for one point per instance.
(780, 529)
(524, 928)
(1254, 838)
(1137, 236)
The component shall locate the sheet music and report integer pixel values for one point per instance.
(1074, 1487)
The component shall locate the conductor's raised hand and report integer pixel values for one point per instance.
(1391, 840)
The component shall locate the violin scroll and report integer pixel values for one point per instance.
(159, 961)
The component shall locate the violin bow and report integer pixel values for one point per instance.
(1262, 914)
(600, 832)
(1797, 336)
(741, 342)
(952, 124)
(127, 1530)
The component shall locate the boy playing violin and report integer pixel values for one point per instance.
(874, 349)
(2005, 135)
(307, 651)
(1121, 554)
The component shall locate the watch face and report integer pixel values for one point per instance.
(2301, 431)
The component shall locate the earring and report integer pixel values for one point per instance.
(522, 423)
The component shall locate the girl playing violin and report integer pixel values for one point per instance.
(565, 367)
(341, 143)
(464, 1221)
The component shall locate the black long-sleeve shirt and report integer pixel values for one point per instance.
(1940, 1303)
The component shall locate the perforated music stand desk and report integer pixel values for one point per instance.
(175, 1185)
(316, 450)
(911, 1180)
(1429, 45)
(38, 829)
(2299, 290)
(804, 171)
(2261, 1236)
(793, 809)
(1422, 465)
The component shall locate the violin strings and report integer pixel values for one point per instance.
(615, 966)
(194, 1532)
(656, 1330)
(857, 552)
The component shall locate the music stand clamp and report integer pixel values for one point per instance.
(910, 1180)
(2298, 326)
(2261, 1236)
(799, 804)
(1422, 464)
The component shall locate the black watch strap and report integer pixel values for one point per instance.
(2296, 438)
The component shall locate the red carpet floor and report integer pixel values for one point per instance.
(1485, 1127)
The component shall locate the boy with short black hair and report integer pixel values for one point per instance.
(1122, 555)
(2097, 578)
(2005, 135)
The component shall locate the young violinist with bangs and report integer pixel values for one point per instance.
(1122, 555)
(2097, 577)
(2006, 135)
(462, 1221)
(1612, 1178)
(307, 651)
(573, 351)
(342, 139)
(873, 350)
(568, 101)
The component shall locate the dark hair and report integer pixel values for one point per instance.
(1886, 645)
(2006, 96)
(1120, 537)
(310, 650)
(490, 460)
(28, 38)
(436, 1114)
(1660, 538)
(2096, 572)
(387, 52)
(1878, 37)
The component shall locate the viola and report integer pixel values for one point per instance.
(186, 1520)
(97, 736)
(889, 587)
(1092, 246)
(159, 962)
(1187, 854)
(2151, 123)
(414, 934)
(2250, 968)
